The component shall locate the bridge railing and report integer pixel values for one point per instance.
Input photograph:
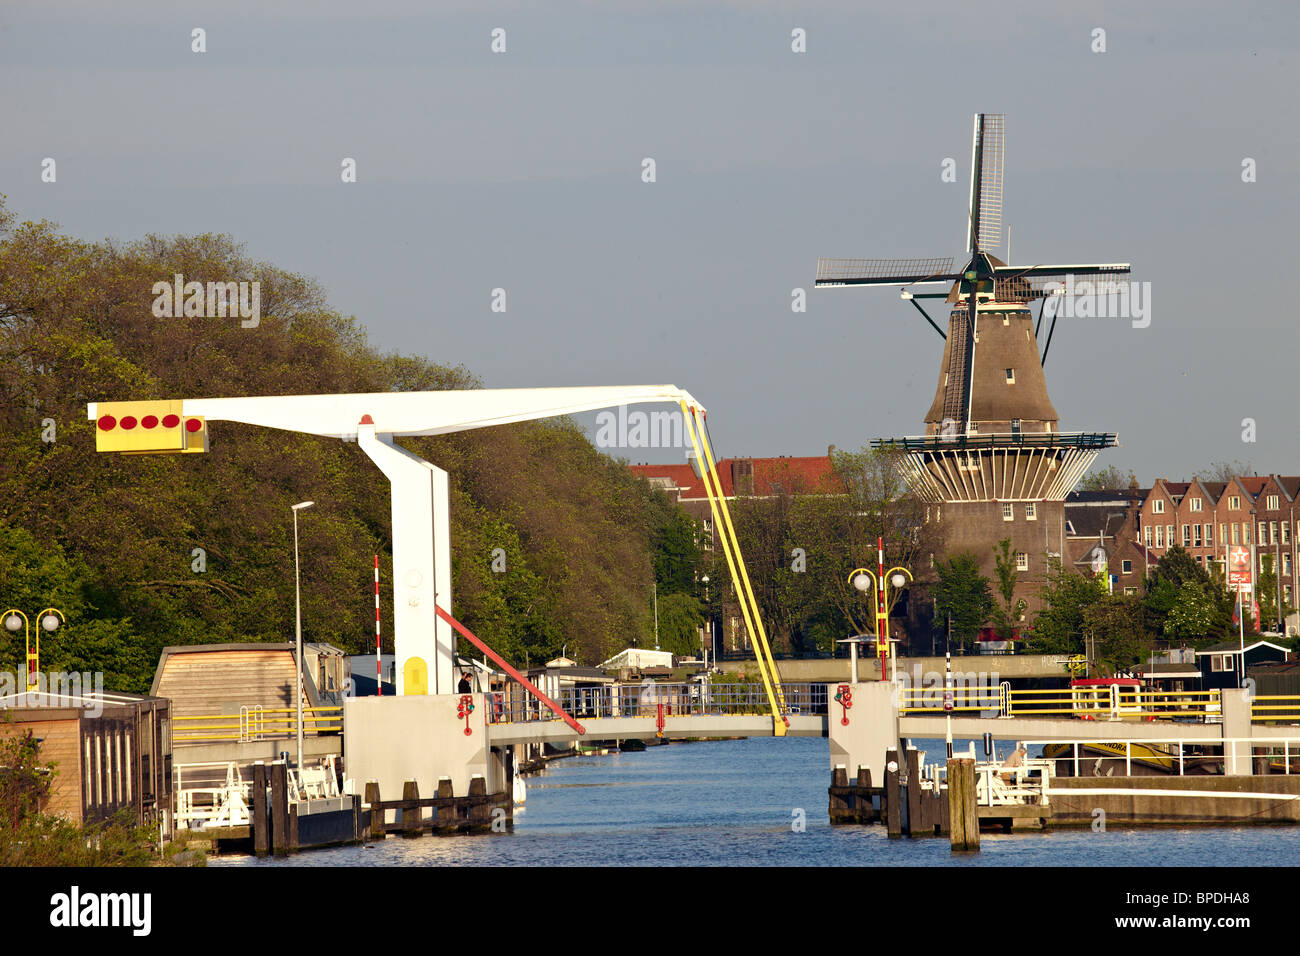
(256, 723)
(651, 700)
(1087, 703)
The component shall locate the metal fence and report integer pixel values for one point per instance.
(1087, 703)
(653, 700)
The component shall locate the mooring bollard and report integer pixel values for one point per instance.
(376, 811)
(963, 810)
(261, 816)
(893, 795)
(410, 809)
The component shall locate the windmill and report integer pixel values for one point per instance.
(991, 433)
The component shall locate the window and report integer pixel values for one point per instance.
(1196, 504)
(1263, 533)
(1286, 594)
(1209, 535)
(1187, 536)
(1286, 532)
(1223, 534)
(1146, 536)
(1031, 511)
(1271, 503)
(1158, 506)
(1011, 376)
(1007, 514)
(1160, 536)
(1245, 532)
(1286, 563)
(1272, 532)
(1015, 426)
(1127, 567)
(1022, 561)
(1220, 662)
(1234, 502)
(1236, 533)
(1196, 535)
(1169, 534)
(1129, 592)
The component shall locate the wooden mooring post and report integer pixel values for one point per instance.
(376, 811)
(279, 808)
(893, 796)
(261, 818)
(411, 812)
(963, 810)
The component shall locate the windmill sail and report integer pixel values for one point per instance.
(984, 228)
(843, 272)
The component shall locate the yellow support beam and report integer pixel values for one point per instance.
(778, 718)
(740, 560)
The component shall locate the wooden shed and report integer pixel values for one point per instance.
(109, 751)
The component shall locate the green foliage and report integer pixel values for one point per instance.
(111, 539)
(677, 561)
(1120, 636)
(1109, 478)
(1059, 626)
(961, 596)
(801, 545)
(680, 618)
(1008, 614)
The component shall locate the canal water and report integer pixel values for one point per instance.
(739, 803)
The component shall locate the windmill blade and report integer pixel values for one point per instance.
(1025, 283)
(988, 142)
(846, 272)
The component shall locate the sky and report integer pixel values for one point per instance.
(523, 170)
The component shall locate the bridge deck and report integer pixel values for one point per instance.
(645, 728)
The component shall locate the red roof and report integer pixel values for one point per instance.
(772, 476)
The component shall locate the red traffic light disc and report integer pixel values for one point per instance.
(107, 423)
(193, 424)
(171, 421)
(149, 421)
(128, 422)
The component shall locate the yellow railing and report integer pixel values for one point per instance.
(1082, 702)
(1275, 707)
(255, 724)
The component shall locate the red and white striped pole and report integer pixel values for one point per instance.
(379, 676)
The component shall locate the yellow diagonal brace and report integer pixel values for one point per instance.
(778, 721)
(744, 574)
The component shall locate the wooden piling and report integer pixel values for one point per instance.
(893, 795)
(261, 820)
(863, 811)
(480, 809)
(293, 828)
(915, 825)
(445, 809)
(410, 809)
(279, 808)
(963, 811)
(376, 811)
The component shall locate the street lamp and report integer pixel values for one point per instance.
(864, 579)
(49, 621)
(297, 599)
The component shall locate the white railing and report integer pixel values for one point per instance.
(1172, 752)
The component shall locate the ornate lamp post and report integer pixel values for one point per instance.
(862, 578)
(49, 621)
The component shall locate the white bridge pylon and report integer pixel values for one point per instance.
(423, 644)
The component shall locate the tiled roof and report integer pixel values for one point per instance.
(792, 475)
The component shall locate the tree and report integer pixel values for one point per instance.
(1177, 586)
(962, 598)
(1060, 626)
(1225, 471)
(1006, 616)
(1109, 478)
(680, 618)
(1117, 623)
